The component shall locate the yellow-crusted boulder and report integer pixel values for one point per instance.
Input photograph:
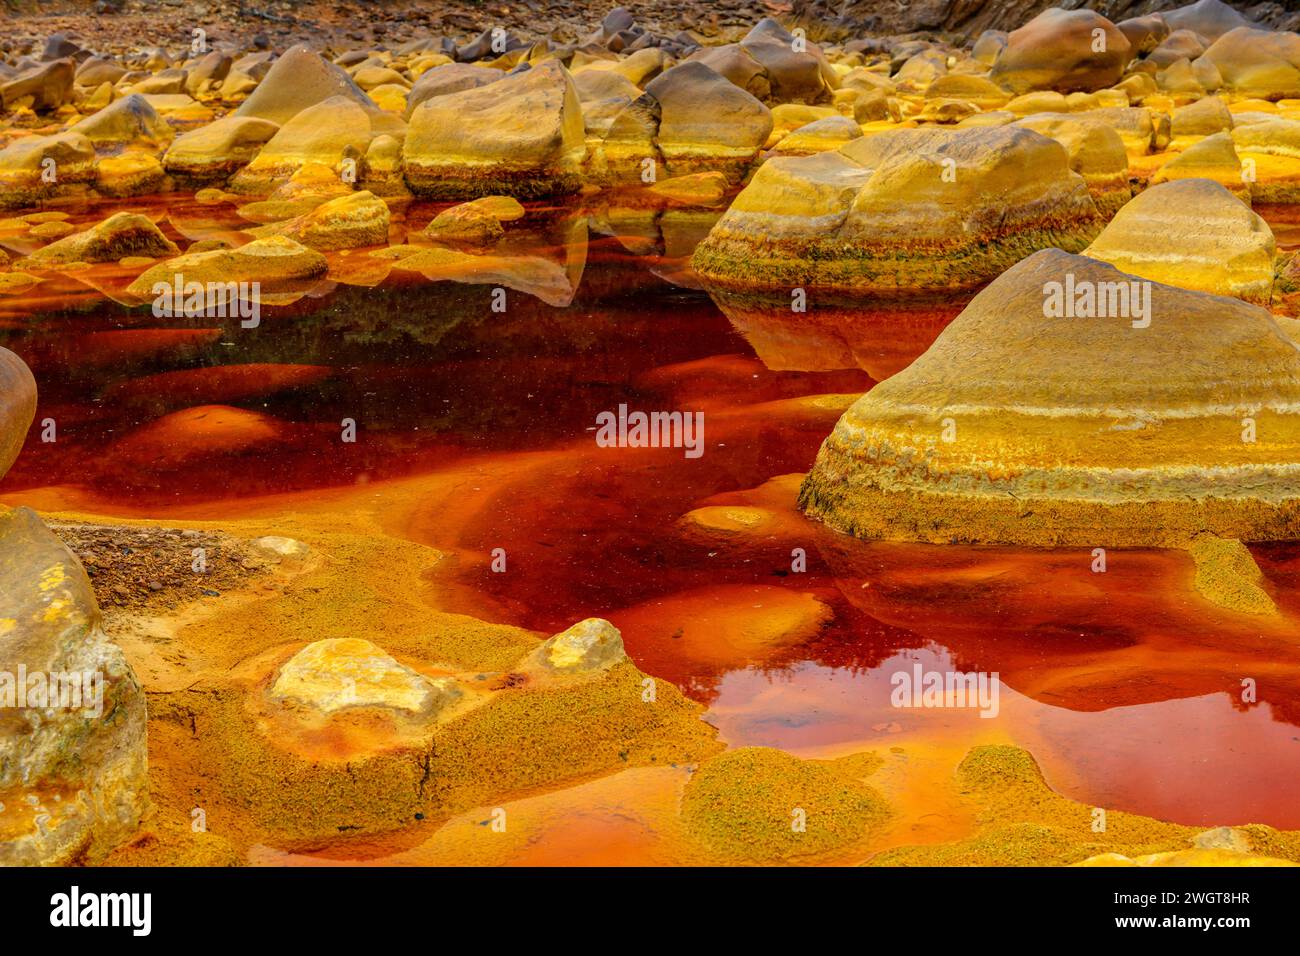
(912, 209)
(1072, 404)
(1195, 234)
(120, 235)
(216, 151)
(73, 756)
(526, 138)
(348, 222)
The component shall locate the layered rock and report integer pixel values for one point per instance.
(1097, 153)
(901, 211)
(73, 757)
(41, 167)
(1192, 233)
(526, 138)
(1272, 151)
(218, 150)
(1124, 429)
(1213, 157)
(818, 137)
(690, 120)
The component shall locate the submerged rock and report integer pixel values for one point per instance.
(1195, 234)
(348, 222)
(274, 262)
(73, 762)
(526, 138)
(1124, 425)
(905, 210)
(121, 235)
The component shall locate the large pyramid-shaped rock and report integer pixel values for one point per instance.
(1021, 425)
(297, 80)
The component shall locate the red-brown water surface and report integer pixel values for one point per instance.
(1126, 686)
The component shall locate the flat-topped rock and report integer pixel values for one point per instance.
(911, 209)
(339, 673)
(216, 151)
(527, 138)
